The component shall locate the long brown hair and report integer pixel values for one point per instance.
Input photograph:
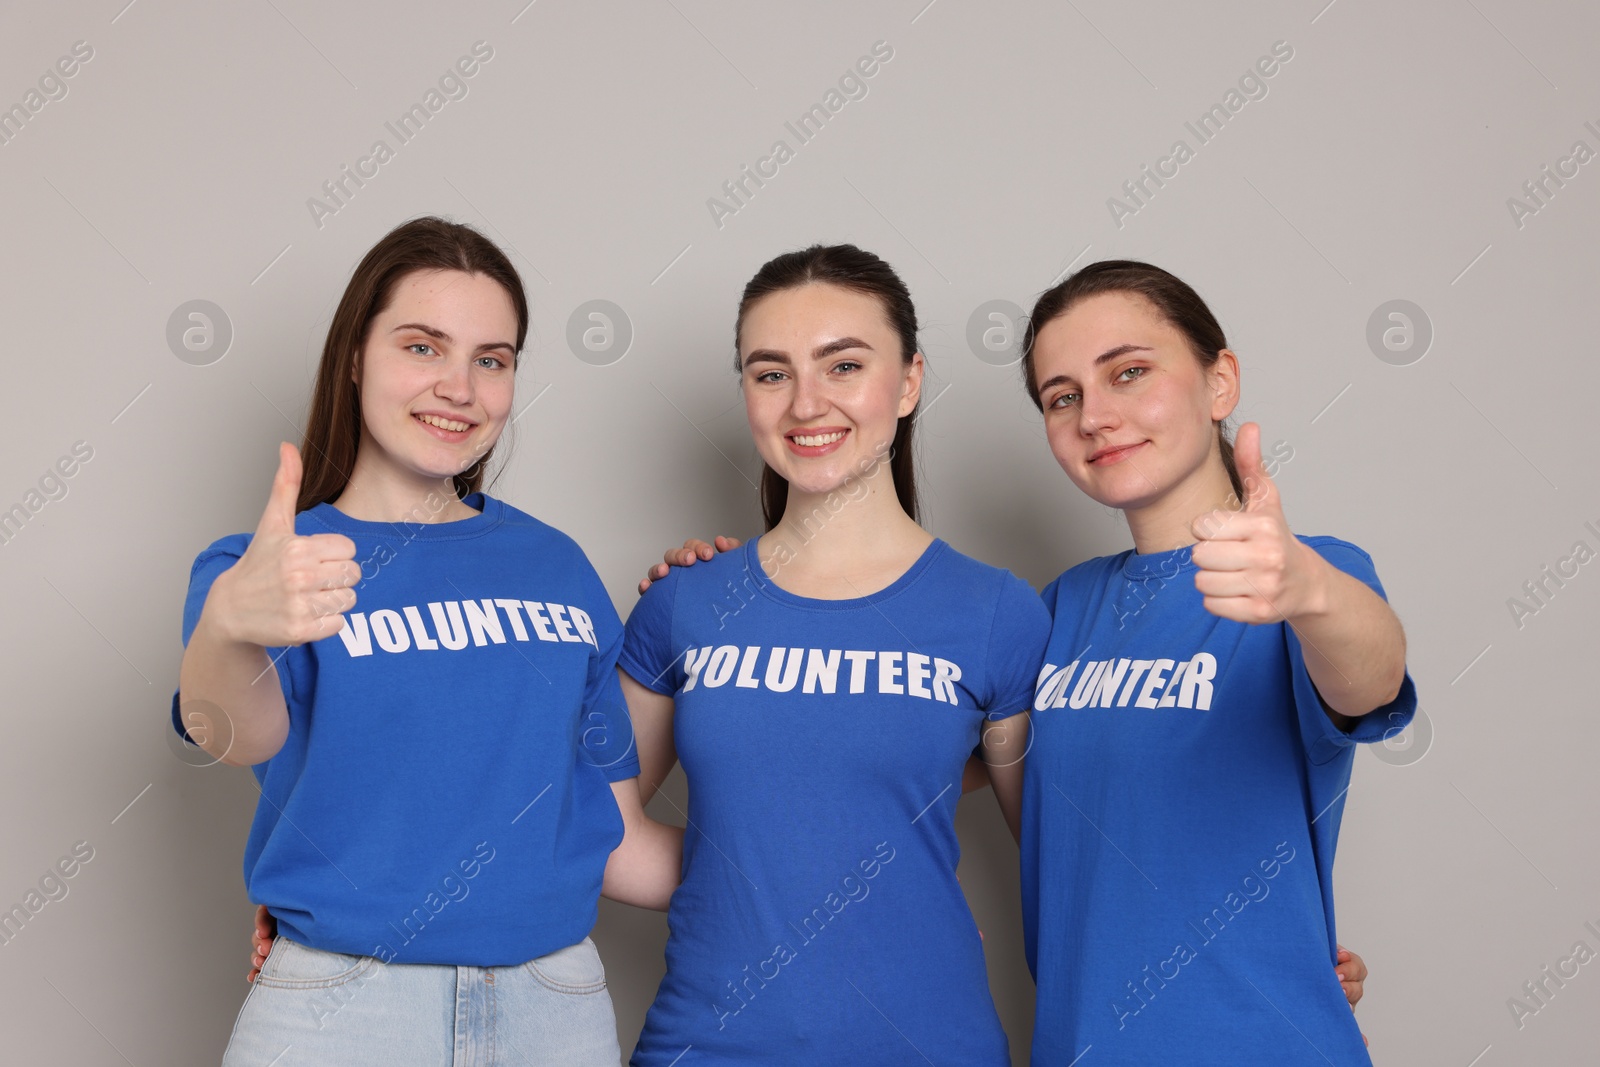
(849, 268)
(1171, 296)
(333, 433)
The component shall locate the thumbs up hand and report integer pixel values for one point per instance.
(286, 589)
(1251, 568)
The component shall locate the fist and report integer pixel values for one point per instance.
(1251, 568)
(286, 589)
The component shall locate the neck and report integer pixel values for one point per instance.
(378, 492)
(1167, 522)
(843, 531)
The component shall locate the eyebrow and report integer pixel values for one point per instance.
(439, 335)
(841, 344)
(1105, 357)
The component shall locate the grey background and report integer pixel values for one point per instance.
(1378, 167)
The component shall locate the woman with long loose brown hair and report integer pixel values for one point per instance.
(423, 680)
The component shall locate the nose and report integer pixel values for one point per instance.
(808, 400)
(1097, 413)
(455, 381)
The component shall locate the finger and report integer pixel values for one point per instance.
(1223, 555)
(326, 621)
(1358, 966)
(332, 604)
(727, 544)
(1259, 492)
(1226, 584)
(1246, 609)
(338, 574)
(278, 516)
(331, 546)
(1220, 525)
(697, 547)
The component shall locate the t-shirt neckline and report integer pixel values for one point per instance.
(1142, 567)
(491, 512)
(758, 575)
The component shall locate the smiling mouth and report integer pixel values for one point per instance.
(1112, 455)
(817, 440)
(442, 423)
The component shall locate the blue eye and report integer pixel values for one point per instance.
(420, 344)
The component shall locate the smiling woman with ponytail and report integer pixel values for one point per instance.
(1196, 717)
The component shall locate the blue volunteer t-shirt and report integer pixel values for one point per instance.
(820, 920)
(1181, 805)
(442, 796)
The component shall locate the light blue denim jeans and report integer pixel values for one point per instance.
(310, 1008)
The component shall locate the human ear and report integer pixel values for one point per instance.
(911, 391)
(1222, 378)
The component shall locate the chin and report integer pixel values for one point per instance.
(1117, 491)
(815, 485)
(433, 467)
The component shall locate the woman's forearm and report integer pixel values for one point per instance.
(230, 700)
(1354, 645)
(645, 869)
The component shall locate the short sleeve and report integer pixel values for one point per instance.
(607, 738)
(1323, 739)
(1018, 635)
(217, 558)
(648, 654)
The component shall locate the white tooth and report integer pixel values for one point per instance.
(442, 423)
